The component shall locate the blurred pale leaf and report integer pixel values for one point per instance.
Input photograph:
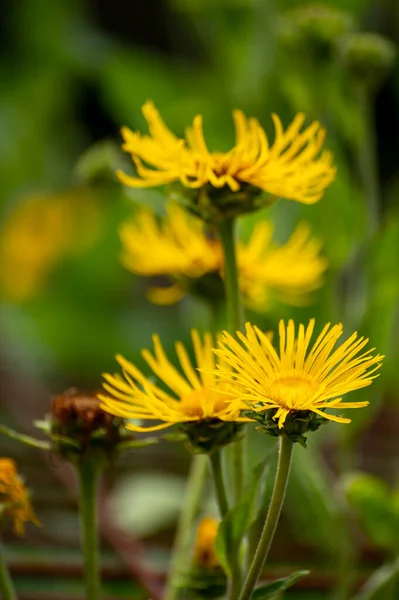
(145, 503)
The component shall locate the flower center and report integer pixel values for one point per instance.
(293, 392)
(202, 404)
(192, 405)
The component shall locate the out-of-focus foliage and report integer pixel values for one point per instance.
(377, 508)
(71, 74)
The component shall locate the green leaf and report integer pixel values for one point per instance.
(148, 441)
(374, 506)
(25, 439)
(238, 520)
(274, 589)
(311, 506)
(145, 503)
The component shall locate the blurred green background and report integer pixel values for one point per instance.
(71, 74)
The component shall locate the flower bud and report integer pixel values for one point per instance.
(78, 425)
(368, 58)
(316, 26)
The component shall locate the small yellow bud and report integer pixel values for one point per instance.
(204, 551)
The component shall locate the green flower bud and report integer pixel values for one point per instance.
(316, 26)
(368, 58)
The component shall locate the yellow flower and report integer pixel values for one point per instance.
(183, 248)
(14, 497)
(193, 396)
(204, 549)
(300, 377)
(290, 168)
(293, 270)
(38, 233)
(178, 246)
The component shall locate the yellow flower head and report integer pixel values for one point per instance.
(182, 247)
(38, 233)
(14, 497)
(293, 270)
(177, 246)
(292, 167)
(299, 377)
(193, 396)
(204, 549)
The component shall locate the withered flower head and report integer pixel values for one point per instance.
(79, 425)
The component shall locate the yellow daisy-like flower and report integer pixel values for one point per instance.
(178, 245)
(38, 233)
(193, 396)
(183, 248)
(14, 497)
(292, 167)
(299, 377)
(204, 547)
(293, 271)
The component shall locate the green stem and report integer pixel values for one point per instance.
(235, 320)
(7, 591)
(235, 314)
(234, 583)
(367, 160)
(88, 473)
(217, 472)
(181, 550)
(238, 468)
(266, 538)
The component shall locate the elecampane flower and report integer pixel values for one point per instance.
(300, 376)
(14, 497)
(194, 396)
(38, 233)
(183, 248)
(178, 245)
(293, 167)
(293, 271)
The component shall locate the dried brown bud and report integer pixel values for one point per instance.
(77, 421)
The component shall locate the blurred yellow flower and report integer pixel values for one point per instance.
(293, 271)
(32, 240)
(290, 168)
(179, 245)
(299, 377)
(204, 549)
(194, 396)
(14, 498)
(38, 233)
(183, 248)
